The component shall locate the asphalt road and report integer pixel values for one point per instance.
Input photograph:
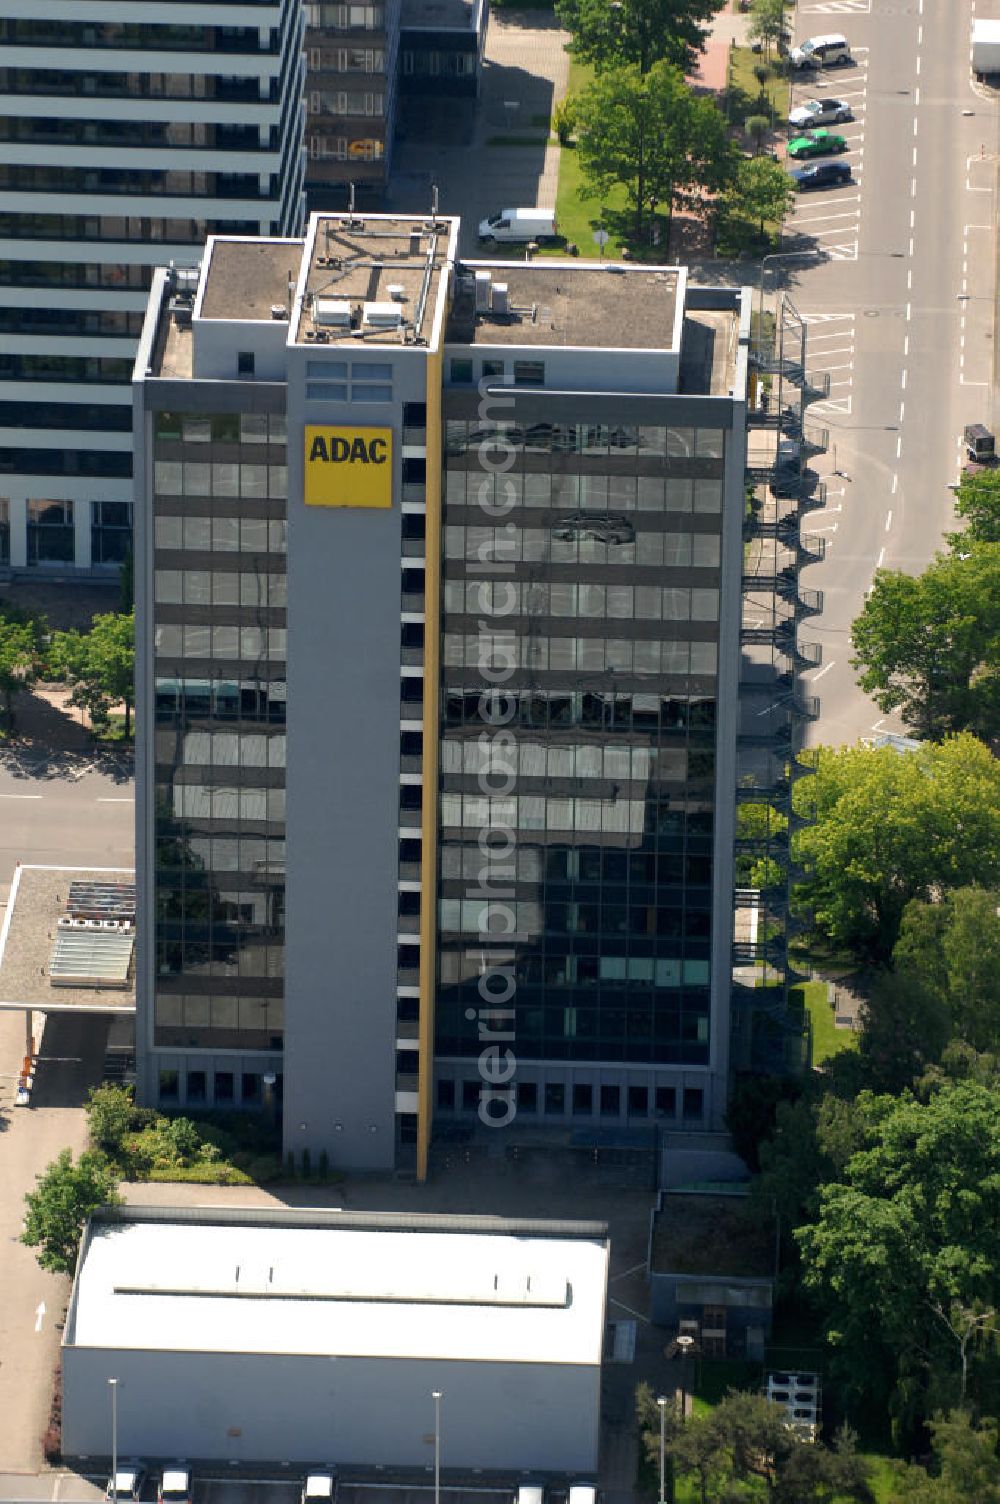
(900, 308)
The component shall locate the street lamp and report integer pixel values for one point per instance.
(661, 1401)
(780, 256)
(436, 1397)
(113, 1386)
(685, 1343)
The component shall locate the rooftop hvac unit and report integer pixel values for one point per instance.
(483, 280)
(279, 311)
(382, 316)
(500, 301)
(64, 922)
(396, 291)
(334, 312)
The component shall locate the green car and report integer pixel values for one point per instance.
(816, 144)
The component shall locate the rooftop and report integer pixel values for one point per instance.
(694, 1233)
(245, 279)
(344, 1287)
(37, 902)
(708, 351)
(393, 262)
(569, 303)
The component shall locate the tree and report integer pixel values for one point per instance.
(977, 502)
(890, 827)
(762, 190)
(64, 1197)
(905, 1027)
(18, 660)
(767, 22)
(756, 127)
(952, 948)
(966, 1465)
(110, 1116)
(908, 1228)
(651, 133)
(100, 664)
(640, 32)
(928, 646)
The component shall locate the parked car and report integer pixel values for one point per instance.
(821, 175)
(126, 1483)
(319, 1488)
(822, 52)
(175, 1485)
(820, 112)
(816, 144)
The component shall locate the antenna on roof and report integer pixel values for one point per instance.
(350, 200)
(434, 203)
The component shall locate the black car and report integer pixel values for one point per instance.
(821, 175)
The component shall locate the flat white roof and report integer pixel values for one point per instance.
(488, 1297)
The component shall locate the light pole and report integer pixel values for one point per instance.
(661, 1401)
(685, 1343)
(779, 256)
(436, 1397)
(113, 1386)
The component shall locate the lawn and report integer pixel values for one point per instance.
(578, 214)
(827, 1039)
(744, 92)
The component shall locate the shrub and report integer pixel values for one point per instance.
(110, 1116)
(564, 119)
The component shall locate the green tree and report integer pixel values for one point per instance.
(890, 827)
(126, 582)
(608, 33)
(18, 660)
(767, 22)
(762, 190)
(652, 134)
(908, 1231)
(64, 1197)
(905, 1027)
(110, 1116)
(966, 1467)
(928, 646)
(100, 665)
(977, 502)
(952, 948)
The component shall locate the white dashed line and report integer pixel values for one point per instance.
(888, 520)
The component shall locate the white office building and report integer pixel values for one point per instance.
(129, 132)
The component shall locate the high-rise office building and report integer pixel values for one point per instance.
(128, 134)
(440, 575)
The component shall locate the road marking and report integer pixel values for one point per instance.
(111, 800)
(908, 312)
(20, 796)
(916, 96)
(918, 65)
(895, 483)
(914, 156)
(909, 280)
(824, 670)
(899, 445)
(888, 520)
(906, 344)
(39, 1315)
(881, 556)
(913, 187)
(903, 379)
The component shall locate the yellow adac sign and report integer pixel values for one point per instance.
(348, 467)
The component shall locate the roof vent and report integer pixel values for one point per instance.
(415, 242)
(334, 312)
(396, 291)
(278, 311)
(500, 304)
(382, 316)
(483, 280)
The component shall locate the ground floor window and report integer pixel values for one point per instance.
(51, 538)
(110, 531)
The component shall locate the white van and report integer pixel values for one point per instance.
(518, 226)
(821, 52)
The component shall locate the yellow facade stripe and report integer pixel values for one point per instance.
(429, 818)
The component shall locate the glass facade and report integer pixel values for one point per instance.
(580, 641)
(220, 487)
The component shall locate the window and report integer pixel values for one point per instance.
(110, 531)
(244, 363)
(529, 373)
(527, 1096)
(51, 538)
(470, 1095)
(225, 1086)
(583, 1099)
(693, 1103)
(638, 1101)
(251, 1088)
(492, 368)
(169, 1086)
(196, 1085)
(461, 372)
(611, 1101)
(555, 1097)
(666, 1101)
(446, 1095)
